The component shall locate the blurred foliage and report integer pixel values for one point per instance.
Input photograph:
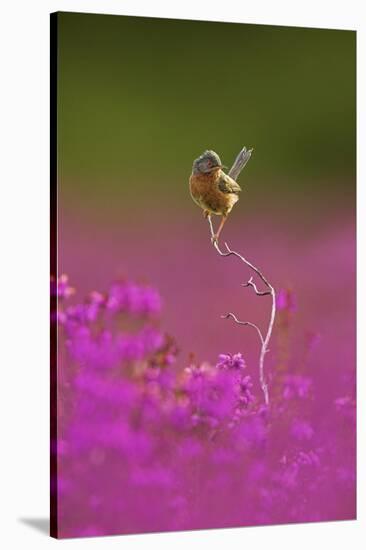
(140, 98)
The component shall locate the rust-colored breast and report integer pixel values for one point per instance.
(206, 193)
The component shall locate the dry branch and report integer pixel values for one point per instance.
(234, 172)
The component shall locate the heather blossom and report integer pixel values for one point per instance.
(302, 430)
(285, 300)
(228, 361)
(60, 287)
(296, 386)
(164, 443)
(133, 299)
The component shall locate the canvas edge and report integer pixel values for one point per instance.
(53, 273)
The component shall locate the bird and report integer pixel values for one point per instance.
(213, 190)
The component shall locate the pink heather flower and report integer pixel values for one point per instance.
(59, 317)
(347, 407)
(106, 350)
(296, 386)
(310, 458)
(162, 378)
(211, 397)
(229, 361)
(61, 287)
(289, 477)
(301, 430)
(87, 312)
(144, 443)
(95, 389)
(170, 359)
(252, 433)
(342, 402)
(285, 300)
(127, 297)
(245, 391)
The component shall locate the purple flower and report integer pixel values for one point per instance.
(285, 300)
(128, 297)
(296, 386)
(301, 430)
(245, 391)
(148, 440)
(347, 407)
(211, 395)
(105, 350)
(60, 287)
(228, 361)
(309, 458)
(251, 433)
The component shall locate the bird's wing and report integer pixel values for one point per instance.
(228, 185)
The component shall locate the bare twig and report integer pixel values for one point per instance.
(248, 323)
(235, 170)
(254, 286)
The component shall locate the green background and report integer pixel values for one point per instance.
(140, 98)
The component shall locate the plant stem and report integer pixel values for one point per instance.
(235, 170)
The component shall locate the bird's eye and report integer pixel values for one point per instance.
(209, 163)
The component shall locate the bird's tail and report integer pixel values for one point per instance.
(240, 162)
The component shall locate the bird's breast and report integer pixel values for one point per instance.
(206, 193)
(200, 184)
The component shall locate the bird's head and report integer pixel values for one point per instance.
(207, 162)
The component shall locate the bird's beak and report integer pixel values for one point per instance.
(222, 166)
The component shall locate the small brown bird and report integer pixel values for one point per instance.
(213, 190)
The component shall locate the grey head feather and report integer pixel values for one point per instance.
(206, 162)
